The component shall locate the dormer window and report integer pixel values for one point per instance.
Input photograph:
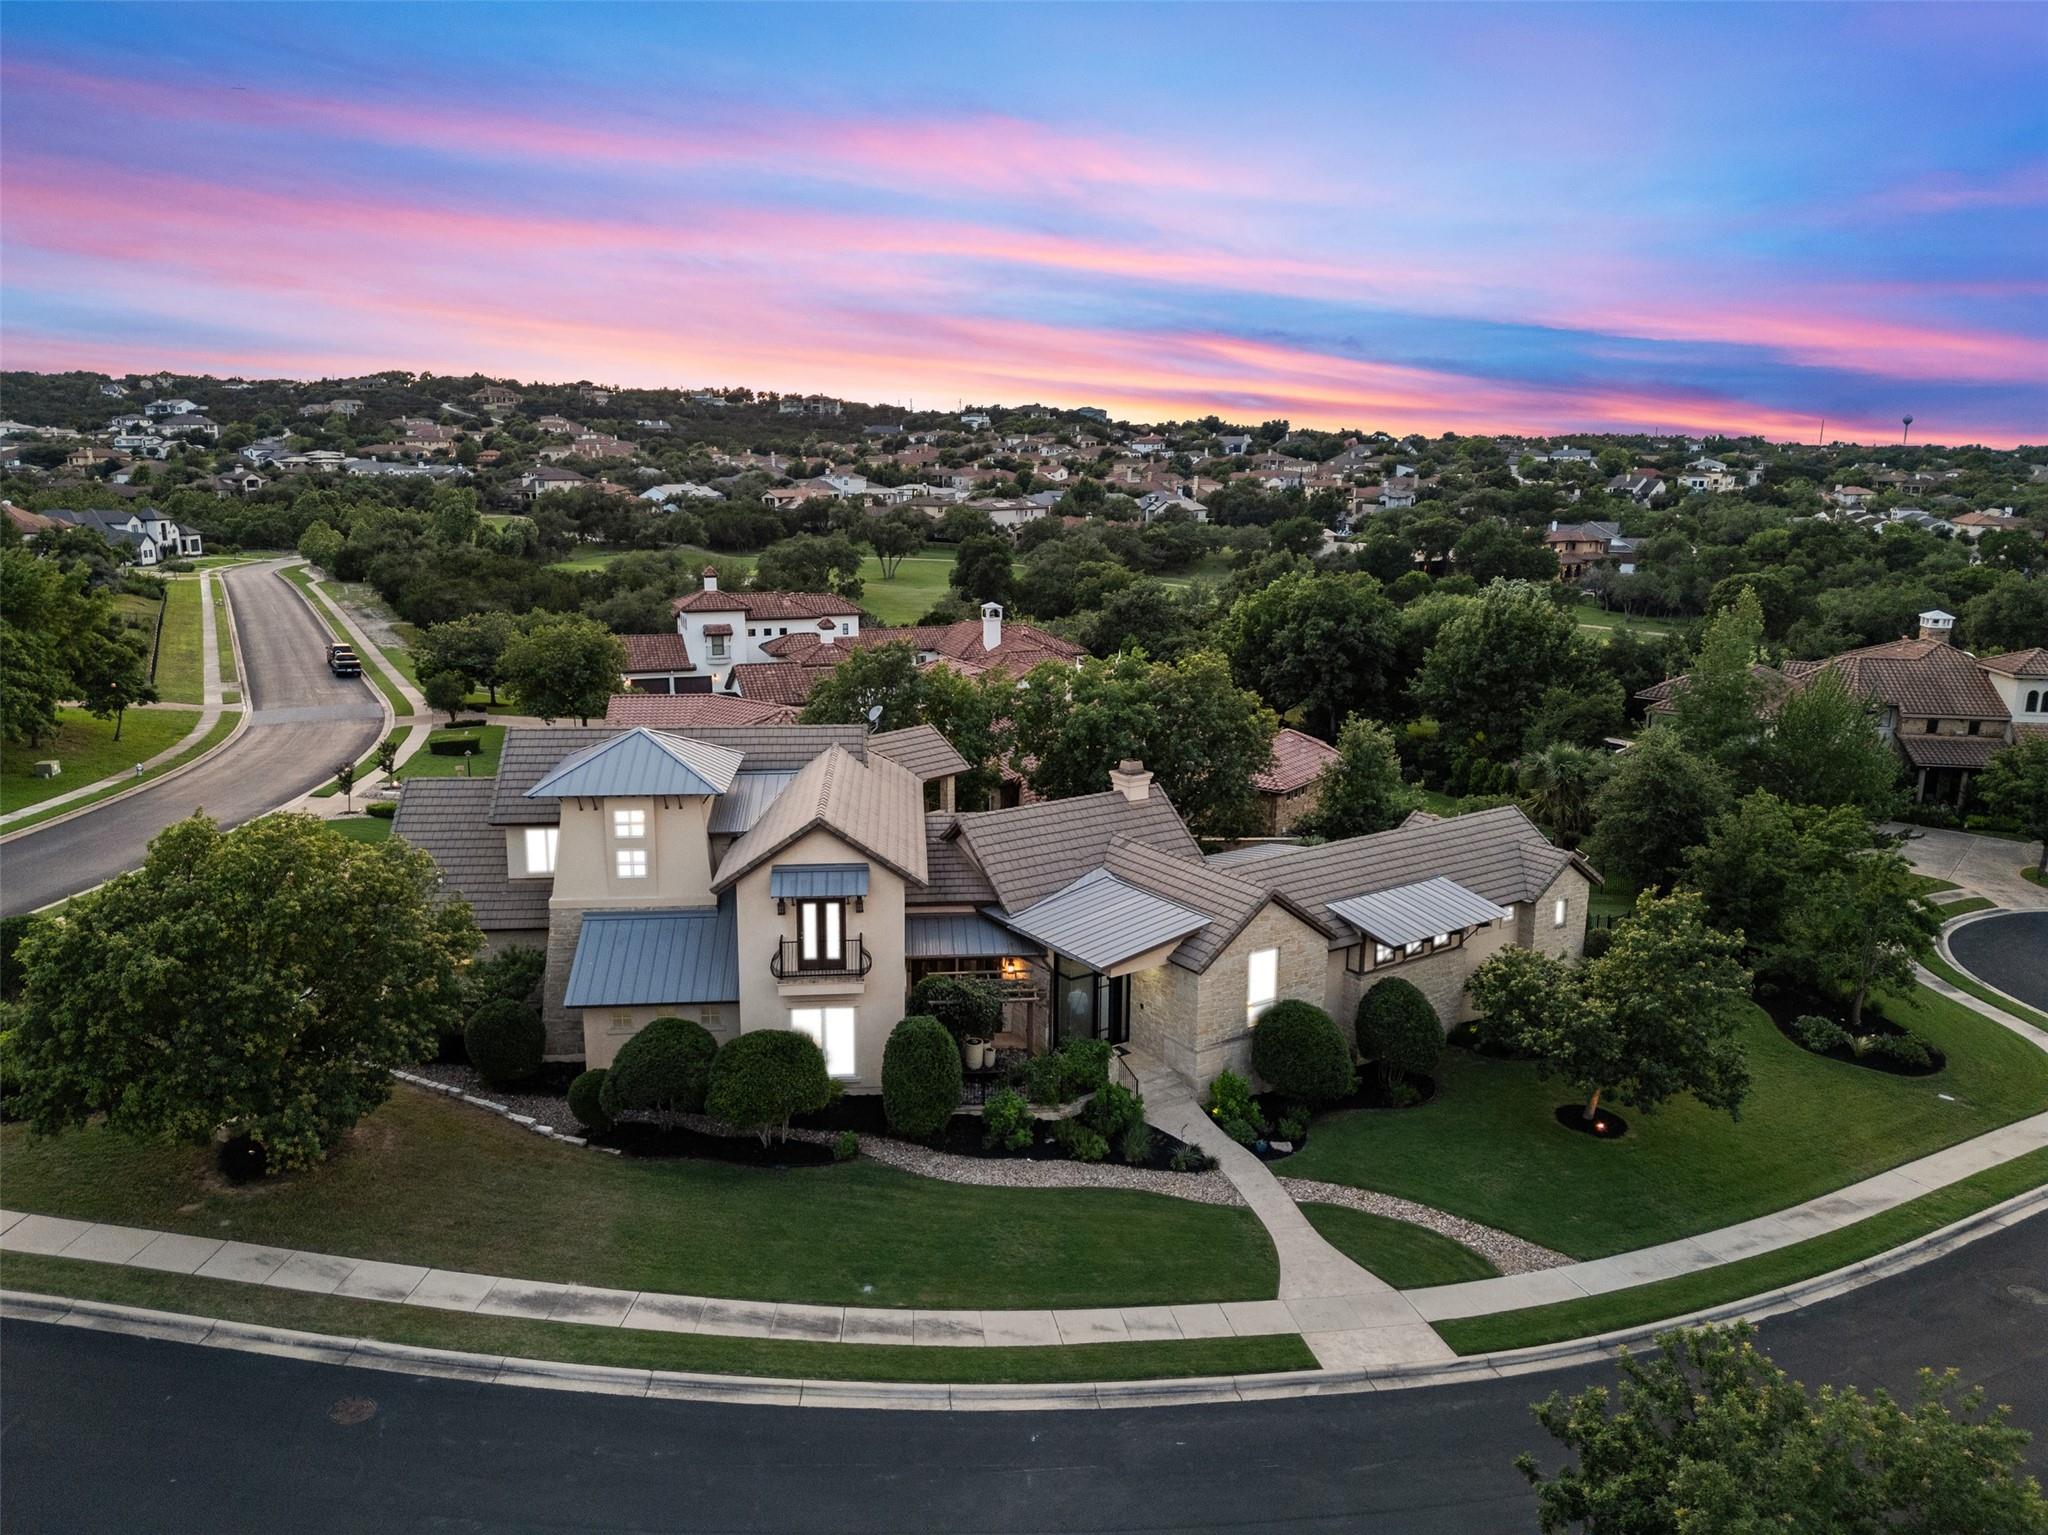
(540, 848)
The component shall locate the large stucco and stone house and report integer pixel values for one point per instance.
(791, 876)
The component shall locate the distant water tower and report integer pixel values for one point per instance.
(1906, 423)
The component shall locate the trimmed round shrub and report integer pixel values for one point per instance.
(664, 1069)
(1399, 1030)
(505, 1041)
(1301, 1053)
(586, 1101)
(1598, 942)
(968, 1007)
(763, 1078)
(921, 1077)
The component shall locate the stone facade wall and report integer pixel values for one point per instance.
(1196, 1024)
(607, 1028)
(1545, 935)
(1280, 813)
(564, 1028)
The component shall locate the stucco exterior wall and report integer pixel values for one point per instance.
(607, 1028)
(877, 999)
(677, 846)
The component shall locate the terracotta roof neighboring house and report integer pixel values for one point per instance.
(27, 521)
(2018, 663)
(1298, 760)
(768, 605)
(1772, 684)
(1918, 677)
(781, 682)
(1939, 751)
(687, 711)
(656, 653)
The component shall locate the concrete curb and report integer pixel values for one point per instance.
(492, 1369)
(430, 1085)
(1948, 928)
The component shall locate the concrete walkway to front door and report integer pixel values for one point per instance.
(1350, 1318)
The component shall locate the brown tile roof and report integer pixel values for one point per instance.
(781, 682)
(876, 807)
(1498, 854)
(2018, 663)
(951, 877)
(656, 653)
(1029, 851)
(684, 711)
(448, 818)
(531, 752)
(1920, 678)
(1949, 751)
(1298, 761)
(921, 748)
(769, 604)
(1228, 901)
(1773, 685)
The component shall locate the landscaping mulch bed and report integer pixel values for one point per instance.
(1605, 1125)
(645, 1138)
(964, 1135)
(1785, 1006)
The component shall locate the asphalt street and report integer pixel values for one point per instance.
(99, 1432)
(2009, 952)
(305, 722)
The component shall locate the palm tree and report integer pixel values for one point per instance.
(1558, 785)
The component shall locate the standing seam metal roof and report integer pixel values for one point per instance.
(1409, 913)
(642, 761)
(1103, 922)
(656, 958)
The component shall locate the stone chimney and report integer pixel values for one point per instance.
(1937, 625)
(1130, 779)
(991, 625)
(710, 578)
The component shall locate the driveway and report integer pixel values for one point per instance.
(109, 1432)
(1989, 866)
(305, 722)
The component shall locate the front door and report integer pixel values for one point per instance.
(1089, 1005)
(821, 935)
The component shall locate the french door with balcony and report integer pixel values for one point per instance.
(821, 935)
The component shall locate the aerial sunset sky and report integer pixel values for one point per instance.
(1446, 219)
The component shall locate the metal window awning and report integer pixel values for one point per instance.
(960, 935)
(1409, 913)
(1103, 921)
(817, 881)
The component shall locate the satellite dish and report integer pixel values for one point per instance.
(874, 715)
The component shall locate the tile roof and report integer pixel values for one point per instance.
(684, 711)
(1102, 921)
(1298, 760)
(951, 877)
(781, 682)
(1921, 678)
(447, 818)
(531, 752)
(1227, 899)
(922, 749)
(1029, 851)
(656, 653)
(769, 604)
(875, 807)
(2018, 663)
(642, 958)
(1772, 687)
(641, 762)
(1498, 854)
(1949, 751)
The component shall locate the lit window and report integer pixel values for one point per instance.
(1441, 941)
(1559, 912)
(823, 938)
(540, 849)
(629, 823)
(1262, 983)
(1382, 954)
(632, 862)
(1412, 949)
(832, 1029)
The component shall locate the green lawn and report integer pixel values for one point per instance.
(362, 828)
(1488, 1148)
(224, 638)
(1643, 1304)
(1609, 622)
(1927, 884)
(372, 668)
(1983, 993)
(428, 1181)
(631, 1348)
(1211, 567)
(367, 774)
(1964, 907)
(424, 764)
(2033, 875)
(180, 657)
(88, 752)
(1406, 1256)
(222, 728)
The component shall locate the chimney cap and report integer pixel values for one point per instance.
(1130, 779)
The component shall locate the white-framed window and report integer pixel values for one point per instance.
(540, 848)
(1412, 949)
(1382, 954)
(629, 823)
(1560, 911)
(833, 1029)
(1262, 983)
(715, 644)
(1441, 941)
(630, 862)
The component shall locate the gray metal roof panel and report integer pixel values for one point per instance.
(532, 752)
(642, 761)
(817, 881)
(740, 806)
(1102, 921)
(959, 935)
(656, 958)
(1410, 913)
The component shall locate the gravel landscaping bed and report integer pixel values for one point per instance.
(1509, 1254)
(1210, 1188)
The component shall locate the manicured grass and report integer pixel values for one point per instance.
(88, 751)
(1983, 993)
(1966, 906)
(1406, 1256)
(223, 636)
(428, 1181)
(362, 828)
(222, 728)
(921, 581)
(1210, 568)
(1731, 1282)
(1488, 1147)
(367, 774)
(372, 669)
(356, 596)
(2033, 876)
(703, 1353)
(1927, 884)
(424, 764)
(1609, 622)
(180, 657)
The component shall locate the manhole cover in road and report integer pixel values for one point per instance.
(352, 1409)
(2027, 1292)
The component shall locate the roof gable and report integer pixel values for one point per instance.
(641, 762)
(1029, 851)
(876, 808)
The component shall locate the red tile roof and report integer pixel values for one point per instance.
(1298, 761)
(769, 604)
(681, 711)
(782, 682)
(2018, 663)
(656, 653)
